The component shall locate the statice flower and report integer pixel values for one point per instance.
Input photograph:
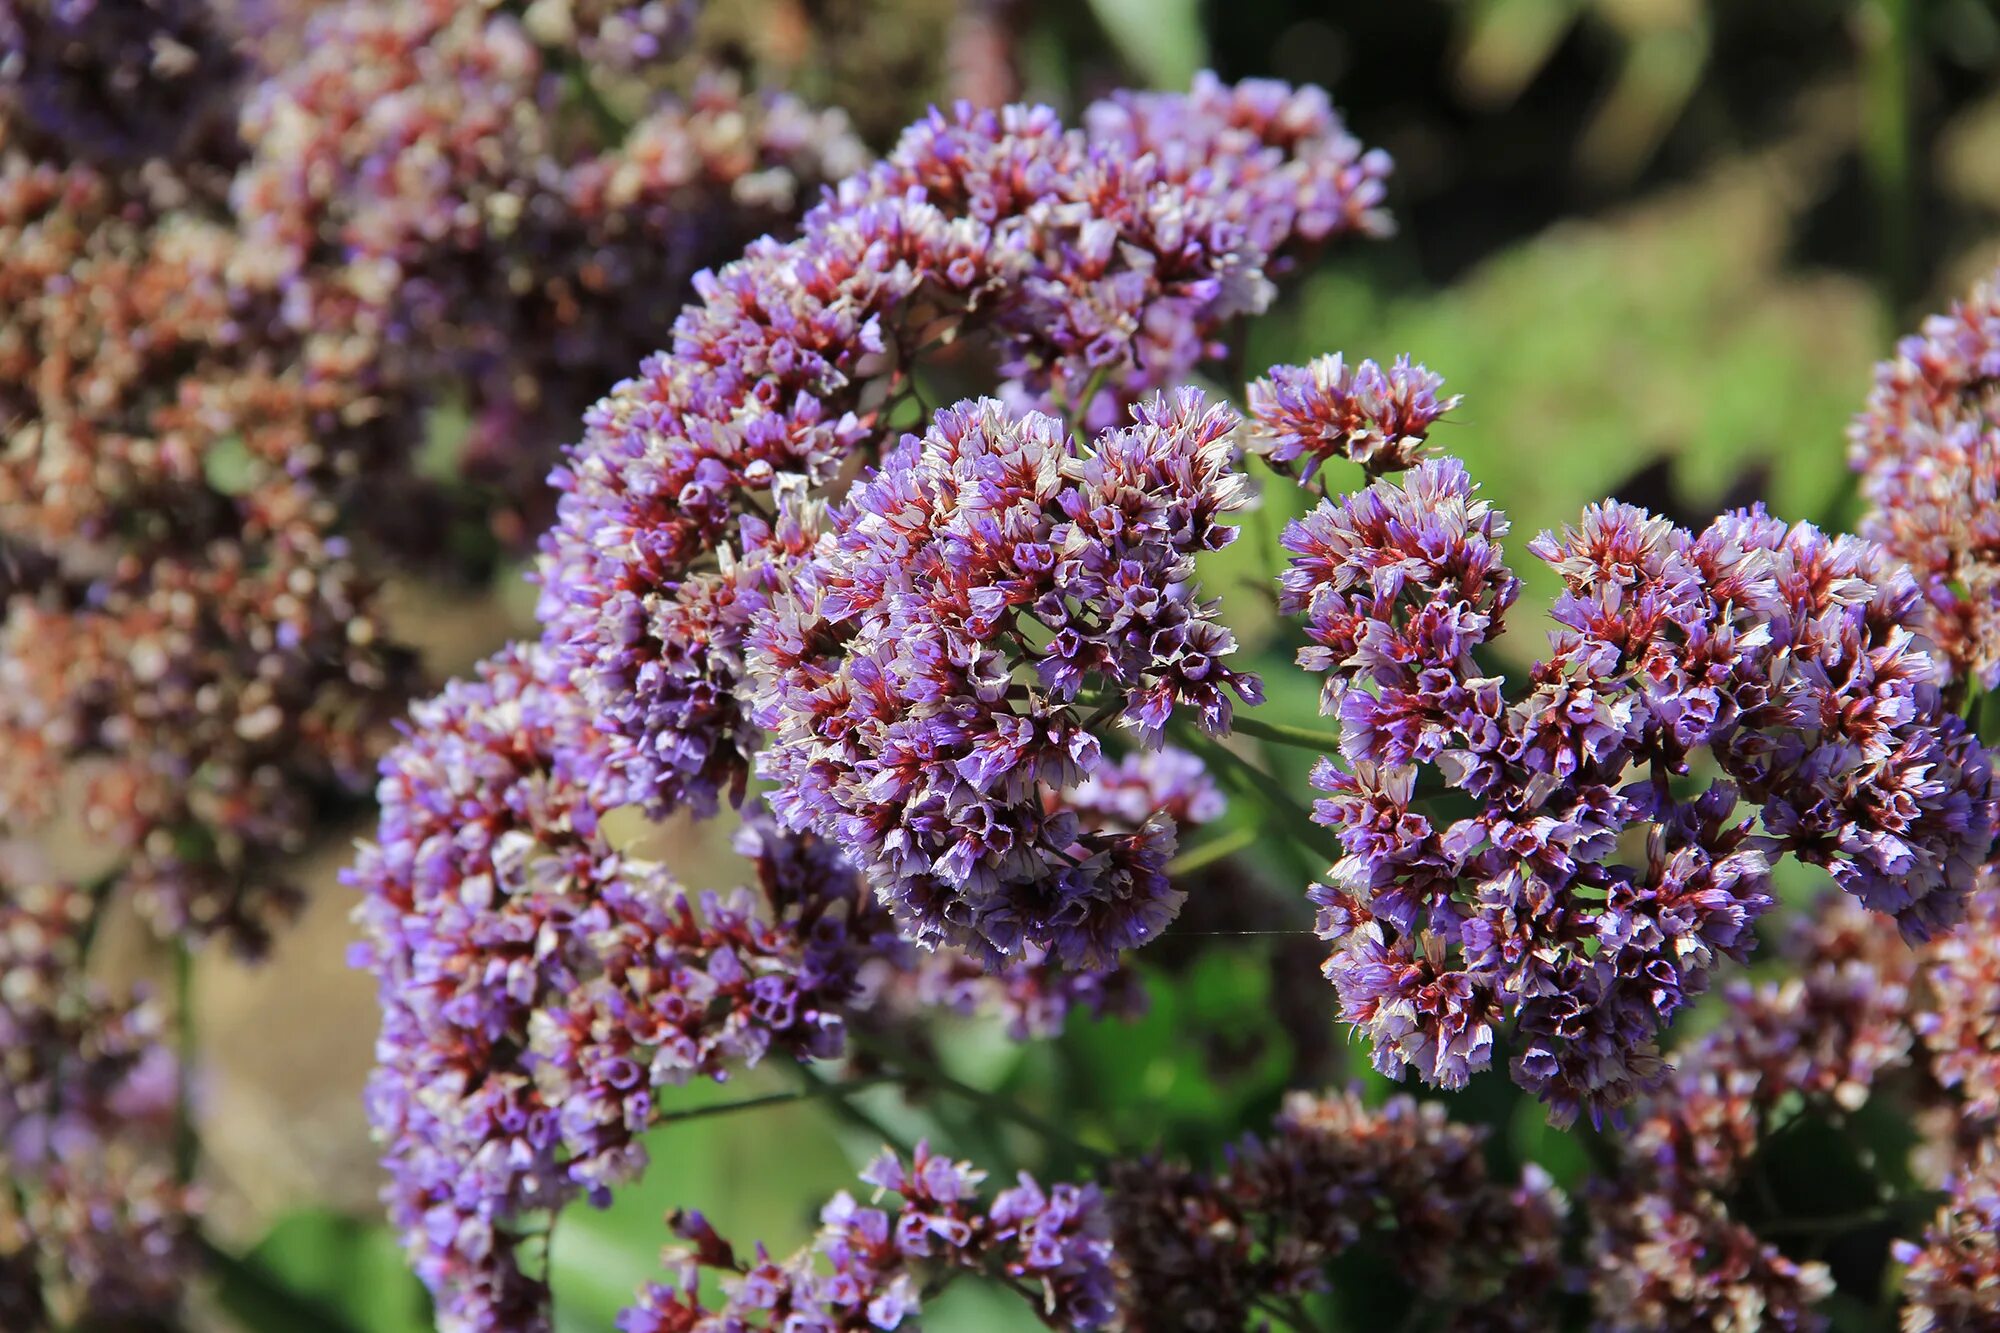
(1035, 996)
(118, 82)
(1667, 1250)
(1927, 447)
(1199, 1249)
(186, 631)
(1953, 1282)
(1960, 1026)
(1791, 657)
(1107, 259)
(539, 987)
(418, 175)
(94, 1226)
(925, 678)
(868, 1267)
(1328, 409)
(621, 35)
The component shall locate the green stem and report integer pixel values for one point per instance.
(187, 1145)
(1278, 733)
(1206, 854)
(1253, 782)
(820, 1089)
(844, 1107)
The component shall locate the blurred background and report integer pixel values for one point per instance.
(1657, 245)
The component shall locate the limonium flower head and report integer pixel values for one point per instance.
(539, 987)
(1328, 409)
(1927, 447)
(1036, 996)
(1961, 1028)
(1668, 1250)
(1953, 1282)
(924, 678)
(1791, 657)
(94, 1226)
(117, 82)
(187, 631)
(1105, 259)
(418, 175)
(869, 1268)
(1198, 1248)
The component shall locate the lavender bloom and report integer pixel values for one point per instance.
(1961, 1025)
(117, 82)
(1398, 584)
(1789, 656)
(185, 628)
(94, 1226)
(865, 1271)
(1328, 409)
(1197, 1248)
(1034, 995)
(1110, 256)
(1953, 1282)
(539, 987)
(1666, 1251)
(916, 721)
(1927, 447)
(621, 35)
(412, 176)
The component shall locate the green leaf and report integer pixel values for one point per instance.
(1161, 39)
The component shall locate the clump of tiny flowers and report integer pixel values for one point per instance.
(186, 631)
(1794, 660)
(1099, 264)
(1667, 1249)
(420, 177)
(915, 721)
(1328, 409)
(1953, 1280)
(1034, 995)
(94, 1225)
(1927, 447)
(119, 82)
(1202, 1250)
(869, 1267)
(539, 986)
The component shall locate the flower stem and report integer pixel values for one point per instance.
(819, 1088)
(1205, 854)
(1278, 733)
(1253, 782)
(187, 1146)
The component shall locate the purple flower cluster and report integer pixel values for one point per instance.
(1953, 1280)
(1199, 1250)
(117, 82)
(415, 177)
(1034, 995)
(1961, 1025)
(1928, 450)
(1328, 409)
(866, 1270)
(209, 397)
(189, 646)
(1791, 657)
(94, 1226)
(539, 986)
(1666, 1249)
(927, 678)
(1104, 260)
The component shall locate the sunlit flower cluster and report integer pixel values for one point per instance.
(1793, 659)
